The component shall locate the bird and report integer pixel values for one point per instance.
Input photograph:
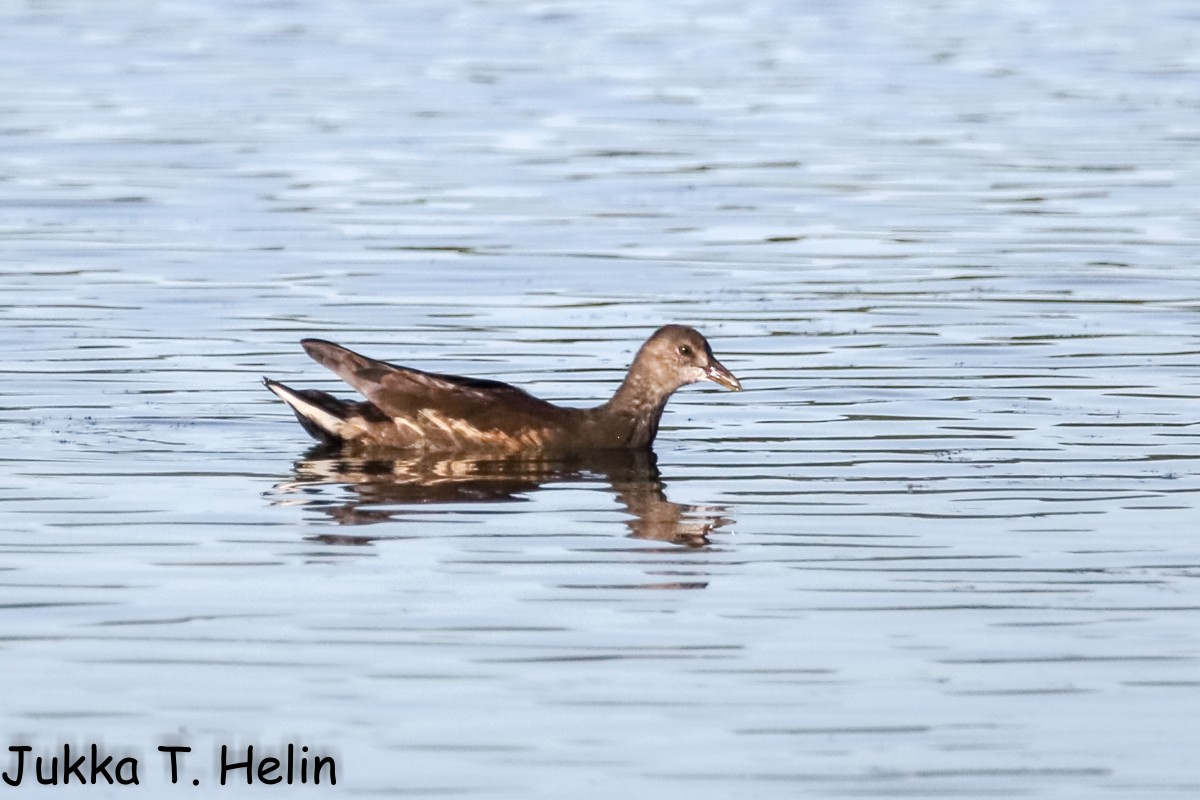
(410, 410)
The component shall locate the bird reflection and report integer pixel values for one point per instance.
(376, 487)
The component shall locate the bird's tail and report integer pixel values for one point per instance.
(321, 414)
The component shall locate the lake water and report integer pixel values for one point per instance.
(944, 544)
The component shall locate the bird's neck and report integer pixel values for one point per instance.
(642, 392)
(634, 411)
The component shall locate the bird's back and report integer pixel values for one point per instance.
(428, 411)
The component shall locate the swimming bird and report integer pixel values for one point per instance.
(407, 409)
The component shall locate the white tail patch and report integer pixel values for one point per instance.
(313, 413)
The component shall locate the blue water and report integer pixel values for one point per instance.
(943, 544)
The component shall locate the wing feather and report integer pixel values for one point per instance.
(406, 393)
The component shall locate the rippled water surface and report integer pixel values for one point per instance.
(944, 544)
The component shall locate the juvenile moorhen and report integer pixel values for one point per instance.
(407, 409)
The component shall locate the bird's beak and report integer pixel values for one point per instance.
(716, 372)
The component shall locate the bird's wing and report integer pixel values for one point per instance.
(405, 393)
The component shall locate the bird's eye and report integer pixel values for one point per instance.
(685, 349)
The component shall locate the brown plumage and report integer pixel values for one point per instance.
(407, 409)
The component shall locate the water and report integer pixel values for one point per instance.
(943, 545)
